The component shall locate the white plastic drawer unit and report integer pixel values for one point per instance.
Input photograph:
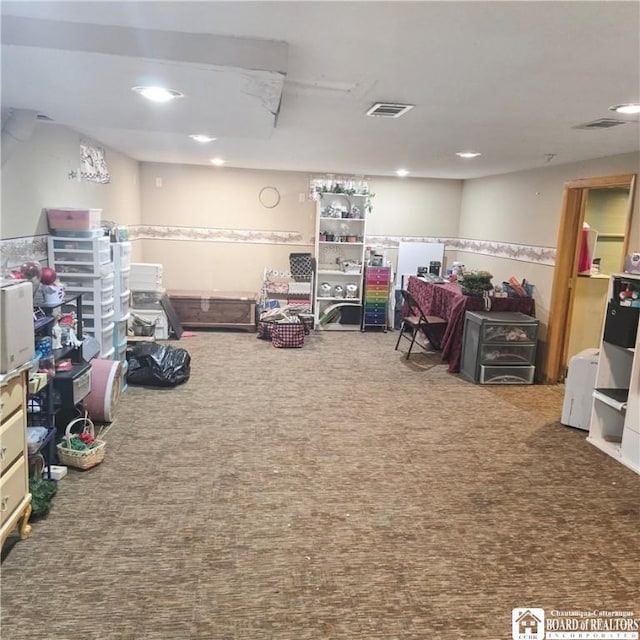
(100, 309)
(79, 255)
(120, 331)
(506, 375)
(121, 253)
(81, 386)
(104, 336)
(122, 305)
(97, 324)
(88, 284)
(91, 296)
(123, 279)
(78, 273)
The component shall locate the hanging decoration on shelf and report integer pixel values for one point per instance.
(346, 185)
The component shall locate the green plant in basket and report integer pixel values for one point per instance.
(476, 283)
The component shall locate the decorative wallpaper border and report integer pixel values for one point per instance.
(13, 250)
(509, 250)
(205, 234)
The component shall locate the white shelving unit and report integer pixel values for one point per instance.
(340, 257)
(84, 265)
(121, 254)
(615, 419)
(145, 283)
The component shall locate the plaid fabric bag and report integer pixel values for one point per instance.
(265, 329)
(288, 335)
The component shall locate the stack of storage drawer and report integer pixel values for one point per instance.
(499, 347)
(121, 253)
(84, 266)
(146, 290)
(376, 297)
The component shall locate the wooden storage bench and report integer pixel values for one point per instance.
(215, 309)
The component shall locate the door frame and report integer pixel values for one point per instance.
(574, 200)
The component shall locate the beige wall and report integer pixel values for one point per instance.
(36, 176)
(224, 198)
(227, 199)
(415, 207)
(524, 208)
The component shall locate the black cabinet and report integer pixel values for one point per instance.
(499, 347)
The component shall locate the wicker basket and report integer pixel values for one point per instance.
(84, 459)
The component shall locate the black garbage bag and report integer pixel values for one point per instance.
(154, 365)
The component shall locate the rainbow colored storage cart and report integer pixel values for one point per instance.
(376, 297)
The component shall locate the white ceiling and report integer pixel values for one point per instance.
(285, 85)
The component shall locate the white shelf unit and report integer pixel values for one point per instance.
(281, 289)
(146, 287)
(84, 265)
(340, 256)
(615, 418)
(121, 254)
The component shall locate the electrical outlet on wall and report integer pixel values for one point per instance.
(158, 182)
(302, 197)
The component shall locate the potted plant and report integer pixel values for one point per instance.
(475, 283)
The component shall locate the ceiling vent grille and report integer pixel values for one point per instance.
(603, 123)
(42, 118)
(388, 110)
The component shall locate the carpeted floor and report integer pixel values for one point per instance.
(334, 492)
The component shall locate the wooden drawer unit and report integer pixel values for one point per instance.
(11, 440)
(13, 488)
(15, 499)
(215, 309)
(12, 396)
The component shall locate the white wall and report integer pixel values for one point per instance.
(36, 176)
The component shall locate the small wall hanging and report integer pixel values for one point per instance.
(93, 165)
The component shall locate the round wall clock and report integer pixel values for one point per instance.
(269, 197)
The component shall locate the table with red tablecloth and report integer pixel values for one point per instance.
(448, 302)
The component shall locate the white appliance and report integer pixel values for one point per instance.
(16, 325)
(578, 389)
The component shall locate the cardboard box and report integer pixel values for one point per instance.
(16, 325)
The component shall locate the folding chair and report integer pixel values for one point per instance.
(416, 320)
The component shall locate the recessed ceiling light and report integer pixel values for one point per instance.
(217, 161)
(201, 137)
(158, 94)
(402, 172)
(468, 154)
(630, 108)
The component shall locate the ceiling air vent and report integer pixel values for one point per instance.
(603, 123)
(388, 110)
(42, 118)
